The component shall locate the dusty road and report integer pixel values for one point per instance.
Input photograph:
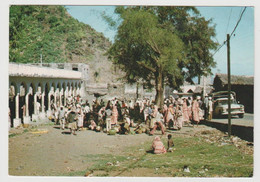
(248, 120)
(54, 153)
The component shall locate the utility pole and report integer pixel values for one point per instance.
(137, 91)
(204, 86)
(229, 85)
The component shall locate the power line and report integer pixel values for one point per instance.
(219, 47)
(240, 17)
(238, 21)
(228, 20)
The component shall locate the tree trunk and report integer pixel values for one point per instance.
(159, 87)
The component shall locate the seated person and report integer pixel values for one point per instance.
(170, 143)
(92, 125)
(124, 128)
(157, 146)
(141, 128)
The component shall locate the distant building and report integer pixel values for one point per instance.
(242, 85)
(197, 89)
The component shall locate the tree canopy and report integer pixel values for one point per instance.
(163, 45)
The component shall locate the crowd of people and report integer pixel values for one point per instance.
(130, 117)
(143, 115)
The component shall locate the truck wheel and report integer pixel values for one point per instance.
(241, 115)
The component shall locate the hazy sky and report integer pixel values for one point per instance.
(225, 19)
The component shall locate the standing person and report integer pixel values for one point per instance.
(95, 109)
(56, 115)
(62, 117)
(153, 113)
(185, 109)
(190, 101)
(157, 146)
(165, 109)
(201, 108)
(118, 107)
(189, 104)
(101, 118)
(136, 112)
(206, 107)
(72, 119)
(53, 108)
(146, 112)
(87, 113)
(102, 103)
(158, 122)
(179, 115)
(210, 106)
(108, 115)
(80, 118)
(195, 111)
(170, 116)
(114, 115)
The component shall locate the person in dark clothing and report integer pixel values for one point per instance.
(120, 118)
(95, 109)
(72, 119)
(124, 128)
(136, 112)
(102, 103)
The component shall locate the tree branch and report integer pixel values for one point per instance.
(147, 67)
(154, 47)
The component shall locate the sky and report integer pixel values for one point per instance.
(224, 18)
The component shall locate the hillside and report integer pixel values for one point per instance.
(51, 32)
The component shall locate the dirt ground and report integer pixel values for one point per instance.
(53, 152)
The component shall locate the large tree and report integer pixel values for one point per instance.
(162, 45)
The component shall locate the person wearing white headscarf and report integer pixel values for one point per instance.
(210, 108)
(157, 146)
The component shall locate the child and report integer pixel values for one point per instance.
(170, 143)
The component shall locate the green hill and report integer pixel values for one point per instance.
(52, 32)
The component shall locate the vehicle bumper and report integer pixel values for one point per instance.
(233, 113)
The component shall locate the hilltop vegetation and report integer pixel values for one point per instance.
(52, 32)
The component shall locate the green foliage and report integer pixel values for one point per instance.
(141, 46)
(50, 31)
(195, 32)
(178, 37)
(162, 44)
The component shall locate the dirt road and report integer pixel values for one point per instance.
(51, 152)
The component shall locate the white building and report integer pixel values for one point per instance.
(36, 87)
